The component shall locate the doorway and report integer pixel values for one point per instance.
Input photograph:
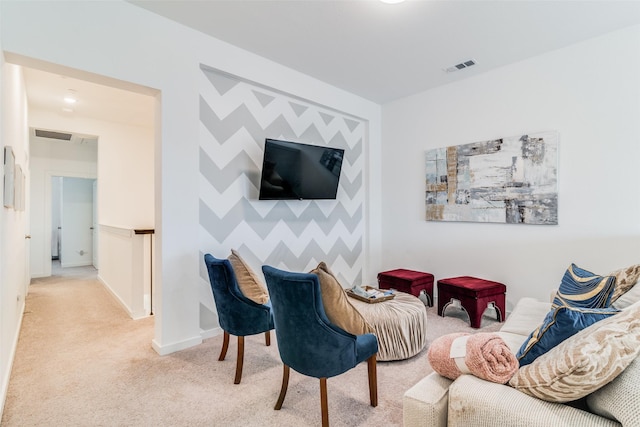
(73, 221)
(108, 125)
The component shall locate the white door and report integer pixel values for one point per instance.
(77, 221)
(56, 216)
(94, 226)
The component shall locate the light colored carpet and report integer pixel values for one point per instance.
(81, 361)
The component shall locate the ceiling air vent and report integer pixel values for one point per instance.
(53, 135)
(461, 66)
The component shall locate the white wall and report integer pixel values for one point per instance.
(126, 152)
(151, 51)
(125, 268)
(590, 94)
(14, 225)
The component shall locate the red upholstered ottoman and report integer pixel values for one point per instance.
(408, 281)
(474, 295)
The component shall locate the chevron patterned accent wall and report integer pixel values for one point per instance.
(235, 118)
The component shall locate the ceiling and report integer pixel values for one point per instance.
(46, 92)
(383, 52)
(379, 51)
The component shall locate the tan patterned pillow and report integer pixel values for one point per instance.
(336, 303)
(625, 279)
(629, 298)
(250, 285)
(585, 362)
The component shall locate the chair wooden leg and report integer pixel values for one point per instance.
(239, 361)
(324, 406)
(373, 380)
(225, 346)
(283, 389)
(267, 338)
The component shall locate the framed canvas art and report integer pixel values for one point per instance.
(508, 180)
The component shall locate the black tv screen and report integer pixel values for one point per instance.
(295, 171)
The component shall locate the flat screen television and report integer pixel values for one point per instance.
(296, 171)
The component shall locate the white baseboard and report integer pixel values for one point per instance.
(12, 354)
(39, 275)
(135, 315)
(163, 350)
(116, 297)
(210, 333)
(142, 314)
(74, 264)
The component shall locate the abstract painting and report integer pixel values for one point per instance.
(508, 180)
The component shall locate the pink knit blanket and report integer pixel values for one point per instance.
(484, 355)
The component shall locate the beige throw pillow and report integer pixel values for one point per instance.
(625, 279)
(629, 298)
(336, 303)
(585, 362)
(250, 285)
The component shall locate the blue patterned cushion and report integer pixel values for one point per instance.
(583, 289)
(558, 325)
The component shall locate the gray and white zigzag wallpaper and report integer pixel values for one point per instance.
(235, 118)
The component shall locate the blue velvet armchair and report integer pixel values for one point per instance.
(237, 314)
(308, 342)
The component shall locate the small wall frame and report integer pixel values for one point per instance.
(18, 195)
(9, 177)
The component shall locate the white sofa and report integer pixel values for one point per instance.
(470, 401)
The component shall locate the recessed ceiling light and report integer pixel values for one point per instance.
(70, 97)
(391, 1)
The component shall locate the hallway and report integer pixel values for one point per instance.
(75, 341)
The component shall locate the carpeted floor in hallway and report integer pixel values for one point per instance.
(82, 361)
